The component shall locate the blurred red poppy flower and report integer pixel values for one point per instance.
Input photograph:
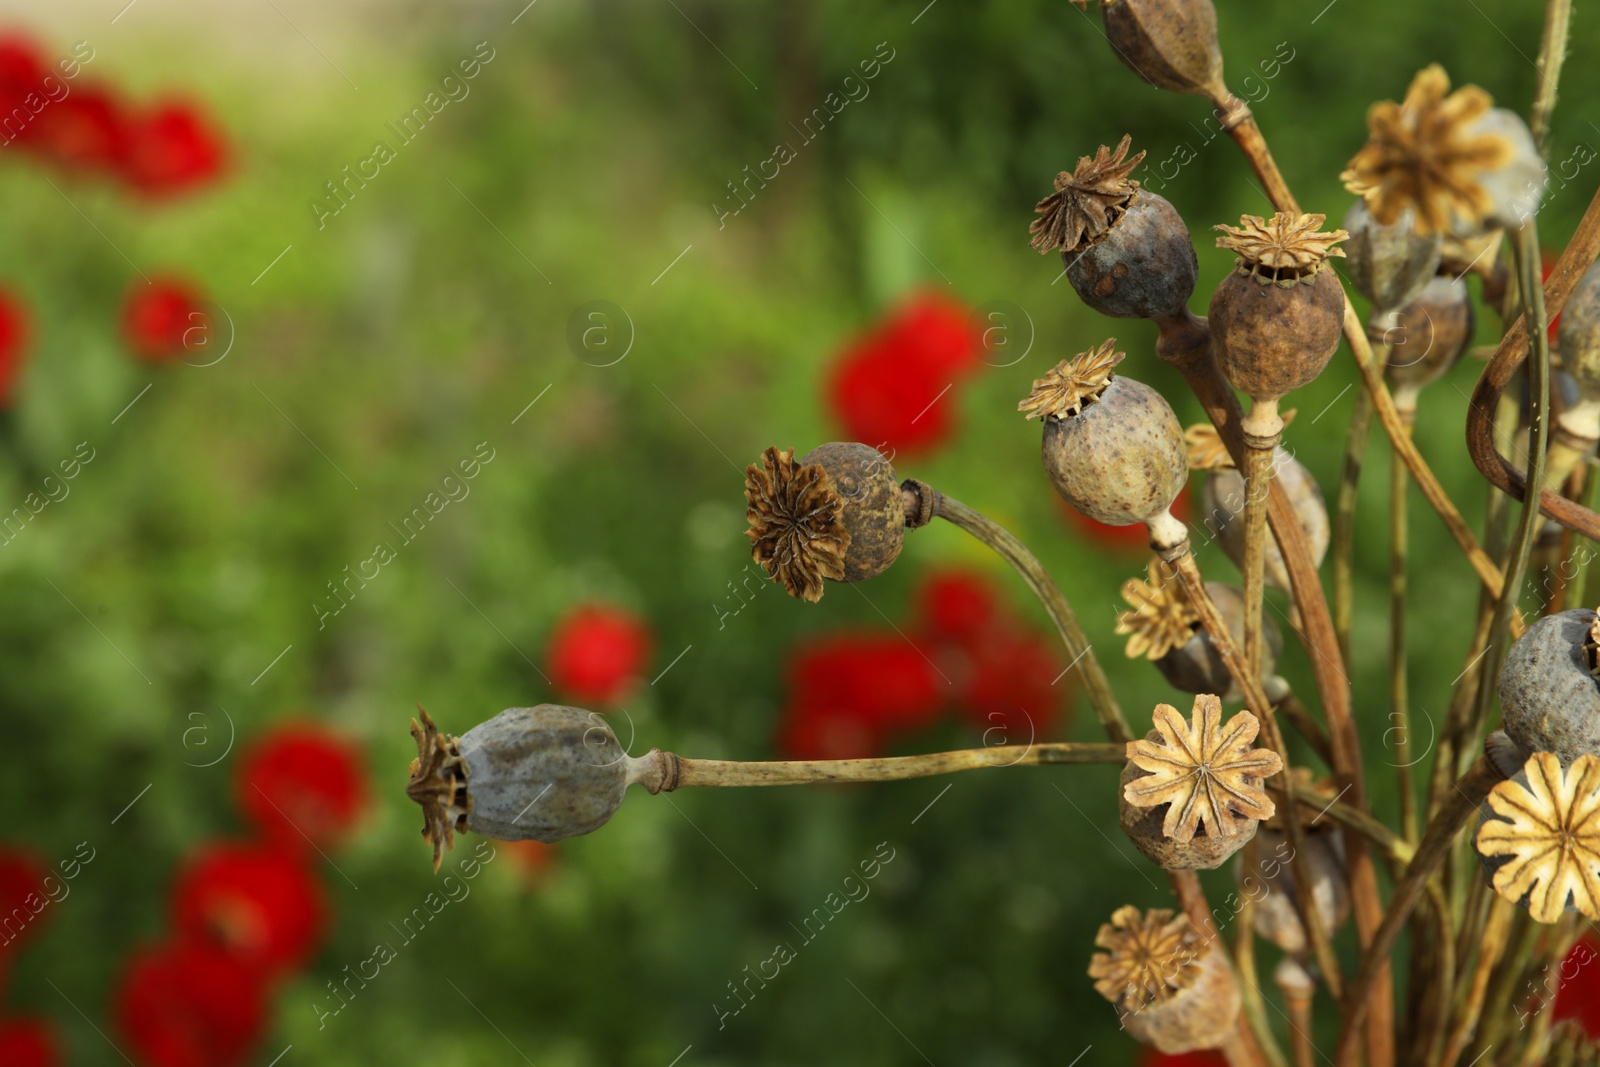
(1578, 991)
(1016, 691)
(1203, 1058)
(596, 652)
(1133, 539)
(160, 319)
(301, 786)
(171, 148)
(957, 604)
(84, 130)
(14, 331)
(253, 901)
(536, 859)
(848, 692)
(23, 900)
(188, 1004)
(21, 73)
(28, 1043)
(890, 388)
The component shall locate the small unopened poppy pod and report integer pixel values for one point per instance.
(1173, 989)
(1112, 446)
(1164, 627)
(1577, 427)
(836, 513)
(1126, 250)
(1172, 44)
(1192, 791)
(1389, 263)
(1426, 338)
(1275, 322)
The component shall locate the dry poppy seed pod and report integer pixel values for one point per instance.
(542, 774)
(1222, 496)
(1540, 844)
(1172, 44)
(1126, 250)
(1164, 627)
(1429, 155)
(1579, 334)
(1112, 446)
(1191, 792)
(1516, 187)
(1389, 264)
(837, 513)
(1270, 884)
(1277, 319)
(1427, 337)
(1173, 989)
(1549, 692)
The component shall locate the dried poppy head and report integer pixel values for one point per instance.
(1173, 989)
(1580, 332)
(1265, 873)
(1223, 496)
(543, 774)
(837, 513)
(1429, 154)
(1126, 250)
(1388, 264)
(1112, 446)
(1191, 792)
(1427, 337)
(1549, 692)
(1172, 44)
(1542, 847)
(1163, 626)
(1277, 319)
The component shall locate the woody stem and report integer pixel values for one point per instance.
(661, 771)
(1262, 430)
(1027, 565)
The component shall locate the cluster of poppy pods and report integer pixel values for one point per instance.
(53, 114)
(853, 694)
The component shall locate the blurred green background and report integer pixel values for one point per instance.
(421, 320)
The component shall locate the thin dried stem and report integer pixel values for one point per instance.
(714, 772)
(1400, 711)
(1469, 792)
(1027, 565)
(1491, 943)
(1344, 515)
(1244, 962)
(1258, 479)
(1552, 54)
(1295, 714)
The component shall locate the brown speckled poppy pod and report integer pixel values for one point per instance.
(1276, 320)
(1549, 694)
(1112, 446)
(1429, 335)
(1390, 264)
(1172, 44)
(874, 508)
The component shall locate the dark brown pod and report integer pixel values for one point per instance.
(1196, 666)
(1112, 446)
(1126, 250)
(1277, 319)
(1172, 44)
(1427, 337)
(874, 508)
(837, 513)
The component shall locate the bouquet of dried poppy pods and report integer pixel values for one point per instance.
(1495, 864)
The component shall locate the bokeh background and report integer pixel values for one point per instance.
(555, 271)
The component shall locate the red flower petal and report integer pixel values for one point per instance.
(878, 680)
(301, 786)
(255, 902)
(596, 652)
(14, 331)
(1203, 1058)
(184, 1004)
(957, 604)
(160, 319)
(172, 148)
(84, 130)
(891, 388)
(23, 900)
(28, 1043)
(1016, 689)
(1577, 985)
